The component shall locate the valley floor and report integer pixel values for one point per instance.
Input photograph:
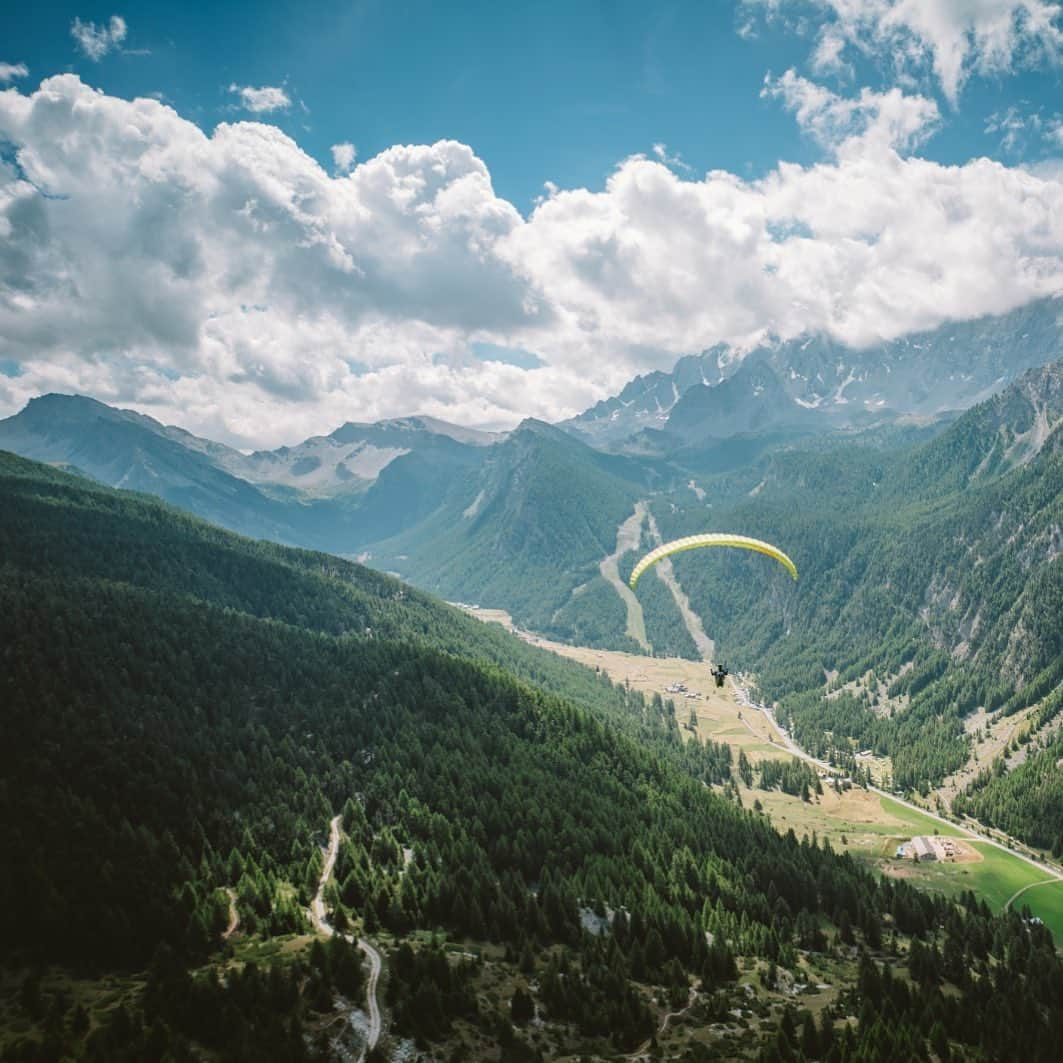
(870, 825)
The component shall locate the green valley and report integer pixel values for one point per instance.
(231, 696)
(531, 532)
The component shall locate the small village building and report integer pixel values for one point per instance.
(923, 849)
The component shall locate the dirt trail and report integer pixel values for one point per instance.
(234, 915)
(627, 538)
(321, 924)
(666, 574)
(1018, 893)
(644, 1048)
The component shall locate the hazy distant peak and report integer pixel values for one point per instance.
(72, 407)
(532, 426)
(353, 430)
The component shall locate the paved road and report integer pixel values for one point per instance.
(743, 696)
(317, 917)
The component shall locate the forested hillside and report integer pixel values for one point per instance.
(936, 569)
(529, 528)
(186, 711)
(1021, 792)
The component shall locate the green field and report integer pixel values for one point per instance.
(997, 877)
(871, 829)
(918, 823)
(1046, 901)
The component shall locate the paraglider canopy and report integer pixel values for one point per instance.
(695, 542)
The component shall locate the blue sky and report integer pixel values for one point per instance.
(259, 221)
(552, 91)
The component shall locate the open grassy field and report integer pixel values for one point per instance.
(871, 828)
(857, 821)
(916, 821)
(1046, 901)
(997, 877)
(718, 714)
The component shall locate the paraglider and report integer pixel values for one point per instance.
(696, 542)
(719, 673)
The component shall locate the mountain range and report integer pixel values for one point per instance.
(380, 489)
(188, 712)
(523, 520)
(335, 492)
(814, 382)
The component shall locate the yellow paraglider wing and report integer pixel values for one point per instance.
(696, 542)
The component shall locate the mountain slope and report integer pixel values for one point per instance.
(142, 543)
(940, 569)
(752, 400)
(125, 449)
(531, 524)
(1021, 792)
(1003, 433)
(337, 492)
(354, 456)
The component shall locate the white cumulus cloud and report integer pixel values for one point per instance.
(343, 156)
(952, 38)
(10, 71)
(96, 41)
(261, 100)
(229, 283)
(888, 119)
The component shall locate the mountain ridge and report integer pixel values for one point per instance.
(952, 366)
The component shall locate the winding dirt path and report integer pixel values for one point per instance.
(644, 1048)
(322, 925)
(691, 999)
(1029, 886)
(234, 915)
